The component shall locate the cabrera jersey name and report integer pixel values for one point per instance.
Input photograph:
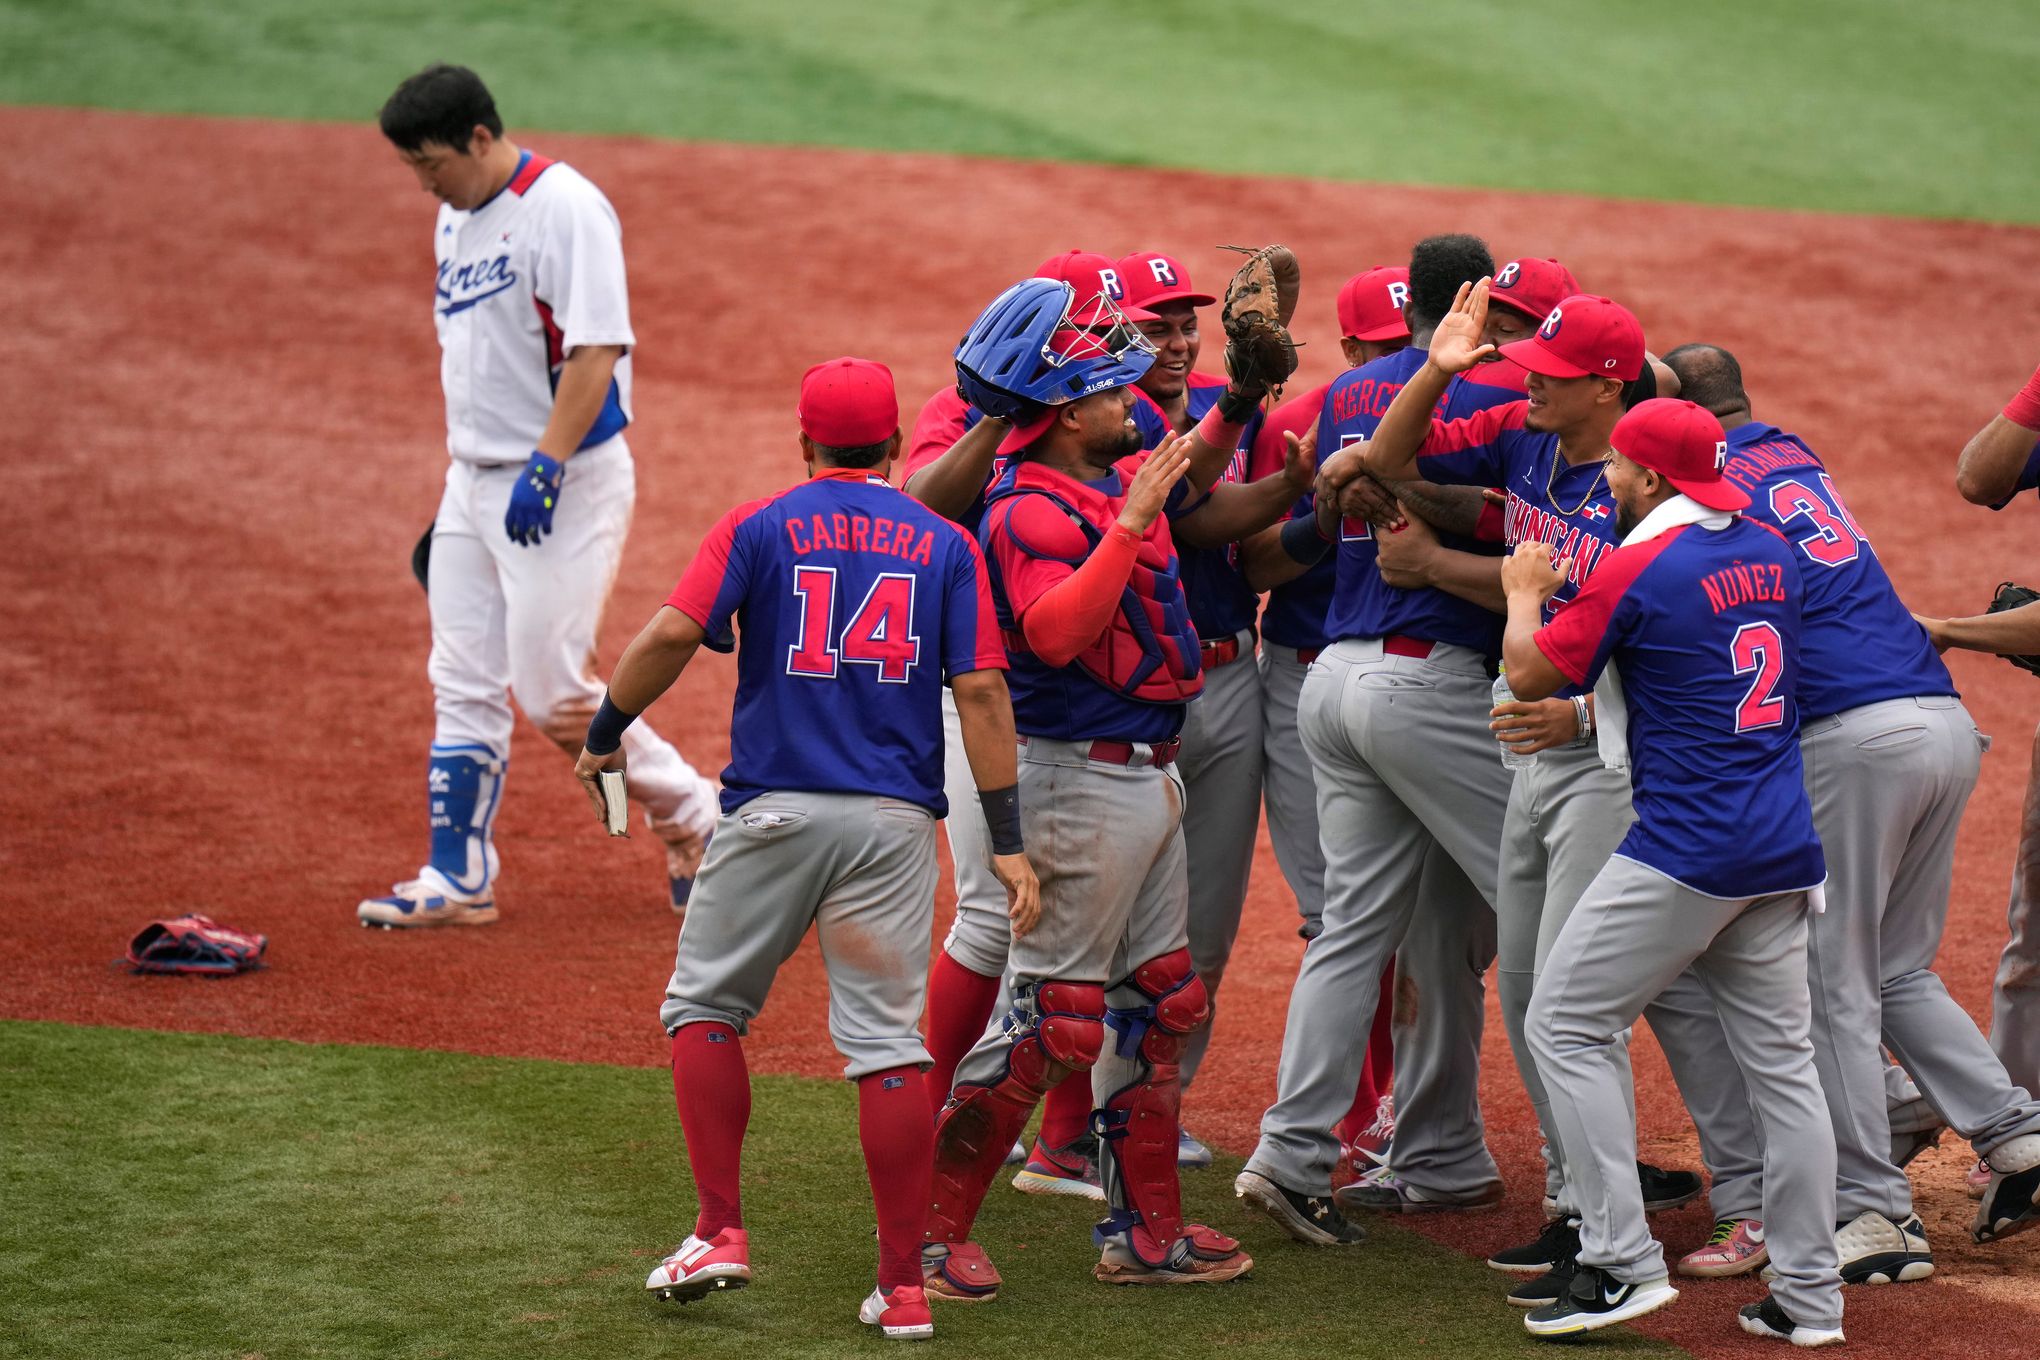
(852, 603)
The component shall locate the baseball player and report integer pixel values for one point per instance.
(2001, 460)
(857, 604)
(1689, 634)
(1104, 660)
(1567, 809)
(1891, 757)
(953, 457)
(1409, 794)
(1221, 760)
(1370, 309)
(535, 340)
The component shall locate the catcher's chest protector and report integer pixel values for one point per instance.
(1150, 650)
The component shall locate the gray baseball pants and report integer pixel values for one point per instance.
(1221, 769)
(1567, 813)
(1107, 843)
(1288, 784)
(1404, 767)
(861, 870)
(2015, 999)
(980, 932)
(1633, 932)
(1889, 782)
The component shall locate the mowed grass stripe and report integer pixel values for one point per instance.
(187, 1195)
(1852, 105)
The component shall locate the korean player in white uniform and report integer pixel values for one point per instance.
(534, 332)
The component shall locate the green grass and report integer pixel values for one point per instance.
(1862, 105)
(176, 1195)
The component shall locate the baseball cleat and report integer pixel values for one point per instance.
(417, 903)
(1311, 1219)
(1769, 1320)
(1071, 1170)
(2011, 1198)
(901, 1313)
(1547, 1288)
(1664, 1189)
(1382, 1191)
(1017, 1155)
(1976, 1180)
(1372, 1142)
(1191, 1155)
(1914, 1128)
(1874, 1249)
(1199, 1256)
(1558, 1241)
(1735, 1247)
(959, 1272)
(1595, 1299)
(698, 1267)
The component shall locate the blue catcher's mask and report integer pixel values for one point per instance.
(1026, 351)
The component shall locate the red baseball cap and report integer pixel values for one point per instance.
(1532, 286)
(1684, 444)
(1583, 335)
(1152, 278)
(1371, 304)
(1090, 275)
(848, 403)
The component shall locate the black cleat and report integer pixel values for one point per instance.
(1767, 1319)
(1312, 1219)
(1559, 1241)
(1664, 1189)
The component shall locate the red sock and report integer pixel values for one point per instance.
(712, 1087)
(899, 1156)
(1378, 1070)
(959, 1006)
(1066, 1113)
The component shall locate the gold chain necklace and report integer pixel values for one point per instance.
(1551, 480)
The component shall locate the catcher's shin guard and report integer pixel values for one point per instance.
(1137, 1125)
(1054, 1029)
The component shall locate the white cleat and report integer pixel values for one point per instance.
(419, 903)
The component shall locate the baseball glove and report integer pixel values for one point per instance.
(195, 944)
(1260, 298)
(2010, 596)
(421, 559)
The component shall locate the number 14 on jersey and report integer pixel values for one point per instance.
(880, 632)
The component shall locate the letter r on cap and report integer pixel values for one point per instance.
(1398, 294)
(1159, 267)
(1109, 278)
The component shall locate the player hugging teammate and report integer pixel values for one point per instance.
(1566, 661)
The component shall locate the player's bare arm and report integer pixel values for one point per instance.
(985, 711)
(1455, 347)
(1232, 512)
(1451, 509)
(1988, 471)
(950, 484)
(1530, 577)
(584, 387)
(2010, 632)
(647, 669)
(1410, 557)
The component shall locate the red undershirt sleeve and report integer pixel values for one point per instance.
(1071, 614)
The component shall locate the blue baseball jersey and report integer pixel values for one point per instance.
(1363, 605)
(853, 602)
(1703, 628)
(1858, 644)
(1220, 602)
(1294, 614)
(946, 417)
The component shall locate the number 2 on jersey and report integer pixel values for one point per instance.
(880, 632)
(1758, 650)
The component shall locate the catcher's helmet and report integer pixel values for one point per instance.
(1024, 352)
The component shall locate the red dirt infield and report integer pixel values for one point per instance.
(227, 433)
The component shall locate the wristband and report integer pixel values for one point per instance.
(1002, 818)
(605, 730)
(2024, 409)
(1220, 430)
(1302, 541)
(1236, 408)
(1583, 714)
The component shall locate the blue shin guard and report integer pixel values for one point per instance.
(465, 784)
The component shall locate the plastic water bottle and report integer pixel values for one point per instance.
(1502, 695)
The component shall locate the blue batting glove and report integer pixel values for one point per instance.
(529, 518)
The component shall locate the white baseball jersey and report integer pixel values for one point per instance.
(530, 275)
